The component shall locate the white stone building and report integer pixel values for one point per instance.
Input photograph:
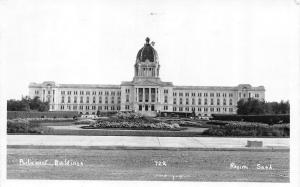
(146, 93)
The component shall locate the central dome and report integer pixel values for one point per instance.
(147, 52)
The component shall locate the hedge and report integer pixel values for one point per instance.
(34, 114)
(269, 119)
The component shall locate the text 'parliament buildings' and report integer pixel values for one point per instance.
(146, 93)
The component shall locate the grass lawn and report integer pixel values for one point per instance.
(158, 165)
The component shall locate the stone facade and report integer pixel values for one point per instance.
(146, 93)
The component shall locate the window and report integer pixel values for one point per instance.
(211, 94)
(180, 109)
(140, 107)
(186, 108)
(152, 107)
(174, 109)
(180, 94)
(165, 107)
(230, 94)
(87, 99)
(146, 107)
(81, 99)
(94, 99)
(230, 109)
(127, 98)
(126, 107)
(211, 101)
(62, 92)
(166, 99)
(205, 94)
(224, 95)
(87, 93)
(199, 101)
(174, 101)
(218, 101)
(218, 94)
(87, 107)
(106, 100)
(187, 101)
(224, 101)
(62, 107)
(100, 100)
(165, 91)
(94, 93)
(199, 94)
(112, 100)
(75, 92)
(62, 99)
(186, 94)
(205, 101)
(127, 91)
(199, 109)
(240, 94)
(174, 94)
(180, 101)
(211, 109)
(100, 93)
(193, 94)
(193, 101)
(69, 99)
(230, 101)
(99, 107)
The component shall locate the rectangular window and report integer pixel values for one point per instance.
(187, 101)
(166, 99)
(199, 101)
(211, 101)
(174, 101)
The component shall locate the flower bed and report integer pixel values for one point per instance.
(234, 128)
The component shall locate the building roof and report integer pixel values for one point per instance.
(147, 52)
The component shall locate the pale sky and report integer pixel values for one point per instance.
(199, 43)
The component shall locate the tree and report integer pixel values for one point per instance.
(250, 106)
(27, 104)
(254, 106)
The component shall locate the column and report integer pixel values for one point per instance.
(143, 95)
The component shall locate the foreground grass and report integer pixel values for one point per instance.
(144, 165)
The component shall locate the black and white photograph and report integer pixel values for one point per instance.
(141, 92)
